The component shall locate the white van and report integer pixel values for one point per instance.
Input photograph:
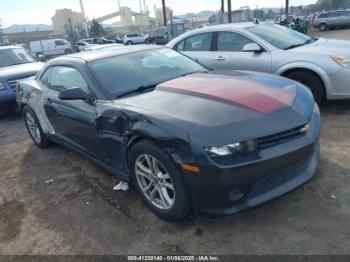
(51, 47)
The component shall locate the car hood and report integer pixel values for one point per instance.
(326, 46)
(19, 71)
(206, 104)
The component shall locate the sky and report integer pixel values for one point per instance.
(41, 11)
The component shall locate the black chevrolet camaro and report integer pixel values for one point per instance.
(186, 138)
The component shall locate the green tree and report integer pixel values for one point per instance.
(96, 29)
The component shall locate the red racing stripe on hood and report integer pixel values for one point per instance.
(247, 93)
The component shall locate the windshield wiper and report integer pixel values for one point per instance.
(195, 72)
(140, 89)
(304, 43)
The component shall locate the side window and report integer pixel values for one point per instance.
(180, 46)
(333, 14)
(200, 42)
(233, 42)
(324, 15)
(45, 77)
(63, 77)
(344, 13)
(59, 42)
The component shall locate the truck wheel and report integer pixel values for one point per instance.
(67, 51)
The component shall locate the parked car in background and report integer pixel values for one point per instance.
(135, 38)
(51, 47)
(160, 36)
(15, 63)
(183, 136)
(118, 39)
(332, 19)
(102, 47)
(82, 45)
(98, 40)
(320, 64)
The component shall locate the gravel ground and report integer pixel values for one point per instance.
(56, 201)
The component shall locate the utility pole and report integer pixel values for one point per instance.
(229, 11)
(84, 18)
(222, 16)
(140, 6)
(164, 13)
(287, 8)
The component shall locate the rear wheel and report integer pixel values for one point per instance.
(158, 182)
(129, 42)
(312, 81)
(323, 27)
(34, 129)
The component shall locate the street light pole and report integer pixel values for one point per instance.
(287, 8)
(84, 18)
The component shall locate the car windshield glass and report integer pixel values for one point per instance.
(15, 56)
(280, 36)
(123, 74)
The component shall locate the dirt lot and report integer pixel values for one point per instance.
(55, 201)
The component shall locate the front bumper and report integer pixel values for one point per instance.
(339, 84)
(220, 191)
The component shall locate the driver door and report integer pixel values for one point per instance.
(229, 54)
(72, 120)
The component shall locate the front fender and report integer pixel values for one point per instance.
(309, 66)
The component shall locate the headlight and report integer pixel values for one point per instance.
(232, 150)
(341, 60)
(2, 87)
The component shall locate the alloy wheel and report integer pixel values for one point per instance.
(155, 182)
(33, 127)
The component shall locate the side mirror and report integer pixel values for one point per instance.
(41, 57)
(252, 47)
(74, 93)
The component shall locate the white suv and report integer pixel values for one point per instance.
(135, 38)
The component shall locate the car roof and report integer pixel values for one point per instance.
(9, 46)
(105, 53)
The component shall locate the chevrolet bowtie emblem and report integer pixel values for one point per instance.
(305, 129)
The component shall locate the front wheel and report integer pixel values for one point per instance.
(34, 129)
(129, 43)
(158, 182)
(313, 82)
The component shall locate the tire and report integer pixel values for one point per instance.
(67, 51)
(174, 204)
(129, 42)
(323, 27)
(32, 123)
(313, 82)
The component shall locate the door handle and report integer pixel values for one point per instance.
(220, 58)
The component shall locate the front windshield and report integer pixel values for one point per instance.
(279, 36)
(15, 56)
(122, 74)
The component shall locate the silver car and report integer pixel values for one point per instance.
(329, 20)
(320, 64)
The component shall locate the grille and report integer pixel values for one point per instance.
(13, 84)
(282, 137)
(269, 182)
